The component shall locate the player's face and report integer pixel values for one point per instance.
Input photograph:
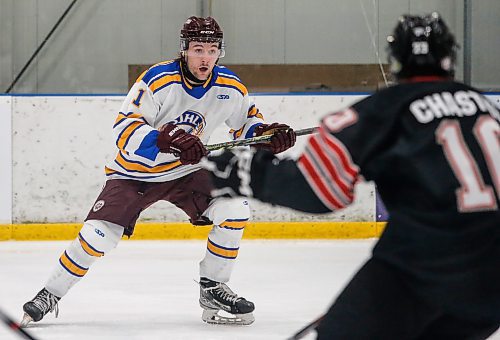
(201, 58)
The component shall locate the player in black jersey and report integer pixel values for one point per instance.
(432, 146)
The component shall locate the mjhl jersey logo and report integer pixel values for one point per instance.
(190, 121)
(98, 205)
(222, 96)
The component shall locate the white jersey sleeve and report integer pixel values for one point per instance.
(243, 124)
(133, 131)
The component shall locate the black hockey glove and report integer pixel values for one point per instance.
(283, 137)
(240, 172)
(186, 146)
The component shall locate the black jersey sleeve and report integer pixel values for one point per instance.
(282, 183)
(260, 174)
(366, 128)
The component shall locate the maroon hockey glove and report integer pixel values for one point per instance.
(186, 146)
(283, 137)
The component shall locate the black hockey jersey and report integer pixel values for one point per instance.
(432, 146)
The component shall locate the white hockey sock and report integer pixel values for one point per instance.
(230, 217)
(94, 240)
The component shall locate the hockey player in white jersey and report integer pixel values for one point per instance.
(160, 132)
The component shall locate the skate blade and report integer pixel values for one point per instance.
(25, 321)
(212, 316)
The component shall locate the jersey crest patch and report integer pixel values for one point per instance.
(98, 205)
(191, 121)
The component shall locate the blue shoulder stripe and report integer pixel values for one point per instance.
(155, 70)
(224, 71)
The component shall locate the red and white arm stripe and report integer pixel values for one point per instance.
(318, 184)
(329, 170)
(331, 165)
(339, 148)
(333, 181)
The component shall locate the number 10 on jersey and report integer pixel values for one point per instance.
(473, 194)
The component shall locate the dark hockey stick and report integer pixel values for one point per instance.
(304, 331)
(253, 140)
(15, 326)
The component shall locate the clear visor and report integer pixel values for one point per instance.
(214, 53)
(203, 51)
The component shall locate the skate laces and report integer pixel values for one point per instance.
(46, 302)
(223, 292)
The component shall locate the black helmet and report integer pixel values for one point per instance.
(422, 45)
(201, 29)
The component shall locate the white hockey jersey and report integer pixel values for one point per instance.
(161, 95)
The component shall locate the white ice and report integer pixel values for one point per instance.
(146, 289)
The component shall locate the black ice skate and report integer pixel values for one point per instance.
(216, 296)
(39, 306)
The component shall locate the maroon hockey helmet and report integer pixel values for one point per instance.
(201, 29)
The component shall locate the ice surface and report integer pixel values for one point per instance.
(146, 289)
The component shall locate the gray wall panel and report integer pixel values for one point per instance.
(317, 32)
(90, 51)
(6, 45)
(486, 44)
(93, 49)
(24, 42)
(254, 30)
(174, 14)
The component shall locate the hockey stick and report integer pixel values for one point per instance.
(304, 331)
(15, 326)
(253, 140)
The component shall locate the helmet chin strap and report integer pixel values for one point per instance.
(190, 77)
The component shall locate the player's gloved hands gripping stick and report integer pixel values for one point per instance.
(186, 146)
(283, 137)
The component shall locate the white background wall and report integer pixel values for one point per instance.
(61, 143)
(5, 160)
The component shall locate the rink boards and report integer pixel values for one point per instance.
(53, 149)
